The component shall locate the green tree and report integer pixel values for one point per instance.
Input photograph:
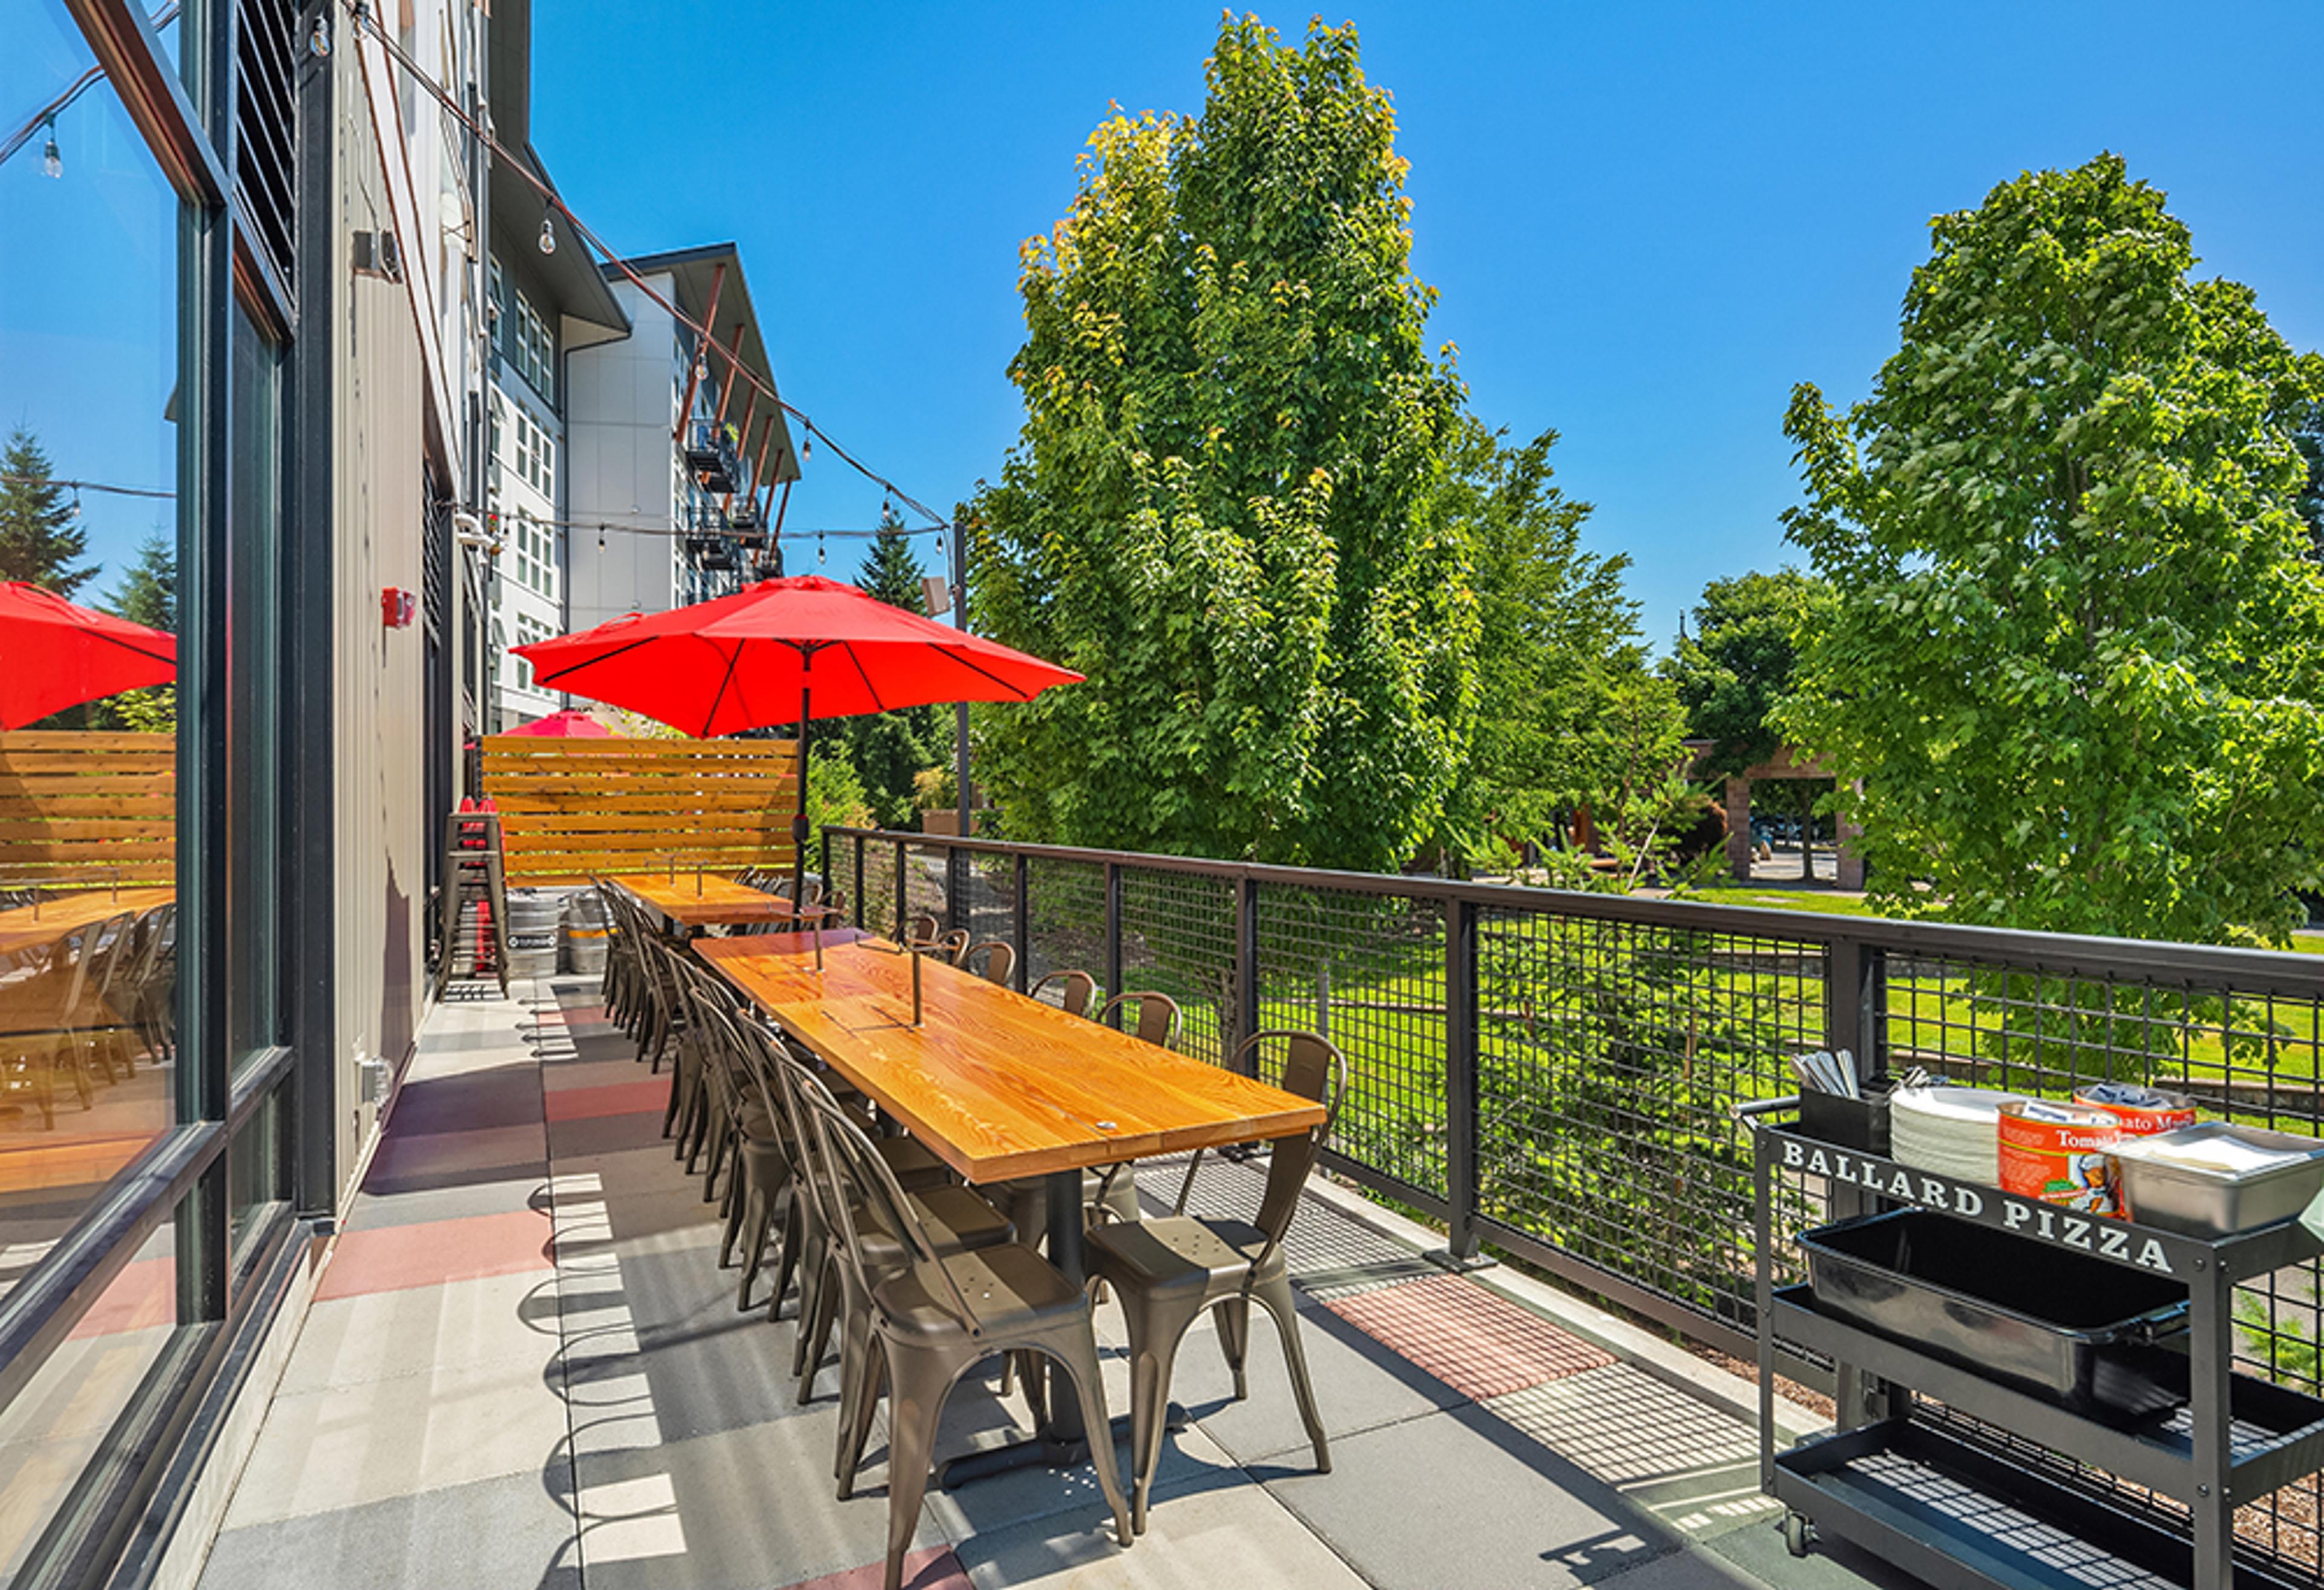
(2079, 640)
(40, 540)
(1748, 635)
(1224, 504)
(887, 749)
(147, 594)
(1552, 623)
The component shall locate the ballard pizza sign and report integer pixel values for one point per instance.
(2114, 1240)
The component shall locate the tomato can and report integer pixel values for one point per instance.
(2141, 1110)
(2058, 1153)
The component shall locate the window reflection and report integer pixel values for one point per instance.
(88, 538)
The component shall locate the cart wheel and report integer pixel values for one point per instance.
(1796, 1534)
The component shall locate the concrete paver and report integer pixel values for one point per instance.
(529, 1370)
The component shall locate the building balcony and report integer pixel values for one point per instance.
(712, 456)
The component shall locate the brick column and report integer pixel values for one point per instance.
(1739, 826)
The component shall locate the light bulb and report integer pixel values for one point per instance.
(806, 439)
(547, 234)
(52, 159)
(318, 42)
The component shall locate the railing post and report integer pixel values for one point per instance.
(1246, 969)
(862, 906)
(1460, 1152)
(824, 865)
(1023, 926)
(903, 899)
(955, 887)
(1112, 931)
(1854, 1017)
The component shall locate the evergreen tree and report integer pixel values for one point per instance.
(38, 540)
(148, 592)
(887, 748)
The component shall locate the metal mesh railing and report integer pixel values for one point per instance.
(1557, 1072)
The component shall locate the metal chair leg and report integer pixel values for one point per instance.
(1234, 1339)
(1276, 1296)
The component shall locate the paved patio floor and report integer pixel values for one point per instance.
(524, 1367)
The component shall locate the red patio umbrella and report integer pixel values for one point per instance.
(567, 725)
(745, 662)
(55, 654)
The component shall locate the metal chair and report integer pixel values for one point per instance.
(1157, 1015)
(921, 931)
(993, 960)
(928, 1332)
(1169, 1270)
(1074, 990)
(949, 947)
(954, 1219)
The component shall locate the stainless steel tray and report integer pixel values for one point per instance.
(2218, 1202)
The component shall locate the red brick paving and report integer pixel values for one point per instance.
(621, 1098)
(933, 1568)
(1481, 1345)
(436, 1251)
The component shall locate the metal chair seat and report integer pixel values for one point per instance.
(913, 1163)
(1011, 1288)
(1176, 1252)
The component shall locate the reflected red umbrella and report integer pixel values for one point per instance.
(55, 654)
(778, 651)
(567, 725)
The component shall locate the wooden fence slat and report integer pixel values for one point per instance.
(76, 802)
(571, 808)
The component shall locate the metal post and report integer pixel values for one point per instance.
(2210, 1353)
(1460, 1087)
(902, 898)
(1246, 968)
(862, 906)
(955, 887)
(1848, 968)
(1023, 926)
(1112, 931)
(960, 720)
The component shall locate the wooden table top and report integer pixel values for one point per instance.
(21, 928)
(709, 900)
(998, 1086)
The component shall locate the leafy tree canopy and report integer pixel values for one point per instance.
(40, 540)
(2079, 640)
(1557, 660)
(1224, 504)
(888, 749)
(1747, 634)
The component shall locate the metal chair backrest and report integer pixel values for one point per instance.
(951, 946)
(1157, 1015)
(1314, 1068)
(921, 931)
(992, 959)
(854, 1166)
(1076, 989)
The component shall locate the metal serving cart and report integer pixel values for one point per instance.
(1963, 1514)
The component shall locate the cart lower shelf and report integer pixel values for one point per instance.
(1963, 1520)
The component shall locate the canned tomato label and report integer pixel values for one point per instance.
(2058, 1153)
(2141, 1111)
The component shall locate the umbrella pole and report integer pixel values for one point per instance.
(798, 820)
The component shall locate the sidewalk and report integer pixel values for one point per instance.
(524, 1367)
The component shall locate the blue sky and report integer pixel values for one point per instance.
(1646, 222)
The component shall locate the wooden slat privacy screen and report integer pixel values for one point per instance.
(77, 804)
(570, 807)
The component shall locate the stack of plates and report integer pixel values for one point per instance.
(1953, 1130)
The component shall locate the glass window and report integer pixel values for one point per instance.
(253, 885)
(88, 471)
(70, 1420)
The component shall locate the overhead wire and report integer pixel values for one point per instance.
(362, 12)
(47, 115)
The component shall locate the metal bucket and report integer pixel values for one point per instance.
(586, 933)
(533, 916)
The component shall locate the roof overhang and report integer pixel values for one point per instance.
(695, 270)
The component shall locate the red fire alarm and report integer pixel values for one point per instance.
(396, 606)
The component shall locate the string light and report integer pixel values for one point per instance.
(318, 42)
(52, 159)
(547, 234)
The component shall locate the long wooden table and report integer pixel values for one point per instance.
(1000, 1086)
(690, 899)
(28, 927)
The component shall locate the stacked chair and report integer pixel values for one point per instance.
(922, 1278)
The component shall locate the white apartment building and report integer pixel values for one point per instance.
(675, 473)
